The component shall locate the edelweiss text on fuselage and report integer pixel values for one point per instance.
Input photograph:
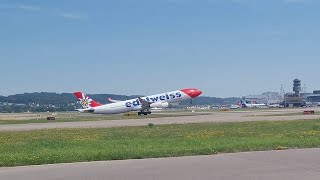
(154, 99)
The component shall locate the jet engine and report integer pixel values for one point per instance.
(159, 105)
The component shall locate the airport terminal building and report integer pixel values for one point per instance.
(315, 97)
(264, 98)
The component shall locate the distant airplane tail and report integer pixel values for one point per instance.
(244, 104)
(86, 101)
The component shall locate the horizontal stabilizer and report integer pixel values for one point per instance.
(113, 101)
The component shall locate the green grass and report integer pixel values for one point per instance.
(77, 145)
(291, 114)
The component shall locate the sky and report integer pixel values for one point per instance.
(223, 47)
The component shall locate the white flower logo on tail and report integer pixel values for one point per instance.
(85, 101)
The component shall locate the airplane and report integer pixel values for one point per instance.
(141, 104)
(252, 105)
(234, 106)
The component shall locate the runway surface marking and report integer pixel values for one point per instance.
(212, 117)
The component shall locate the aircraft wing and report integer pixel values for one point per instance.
(145, 105)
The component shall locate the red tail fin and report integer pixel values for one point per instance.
(86, 101)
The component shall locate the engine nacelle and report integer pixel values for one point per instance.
(159, 105)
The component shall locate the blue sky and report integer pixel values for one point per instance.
(223, 47)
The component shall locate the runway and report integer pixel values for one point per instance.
(239, 116)
(275, 165)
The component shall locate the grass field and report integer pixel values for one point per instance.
(291, 114)
(77, 145)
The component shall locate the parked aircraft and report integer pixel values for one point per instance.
(252, 105)
(234, 106)
(142, 104)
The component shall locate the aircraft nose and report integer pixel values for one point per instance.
(192, 92)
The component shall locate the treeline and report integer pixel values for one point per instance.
(56, 99)
(18, 109)
(212, 101)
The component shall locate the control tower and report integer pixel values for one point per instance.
(297, 87)
(294, 99)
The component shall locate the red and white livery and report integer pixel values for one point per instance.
(142, 104)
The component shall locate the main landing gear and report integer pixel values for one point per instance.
(144, 113)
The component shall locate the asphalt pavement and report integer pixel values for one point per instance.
(241, 116)
(270, 165)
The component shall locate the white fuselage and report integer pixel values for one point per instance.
(255, 105)
(157, 100)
